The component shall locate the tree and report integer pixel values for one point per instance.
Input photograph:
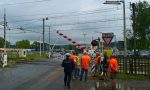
(142, 25)
(2, 43)
(129, 39)
(70, 47)
(35, 45)
(25, 44)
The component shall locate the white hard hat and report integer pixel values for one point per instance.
(68, 54)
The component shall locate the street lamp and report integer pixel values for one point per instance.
(124, 21)
(46, 18)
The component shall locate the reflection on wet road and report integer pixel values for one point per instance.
(111, 85)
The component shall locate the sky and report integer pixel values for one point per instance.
(73, 18)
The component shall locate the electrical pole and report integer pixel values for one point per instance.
(124, 25)
(40, 46)
(43, 34)
(49, 40)
(133, 26)
(4, 30)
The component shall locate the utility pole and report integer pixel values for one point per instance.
(40, 46)
(49, 40)
(4, 54)
(43, 35)
(4, 30)
(133, 26)
(124, 29)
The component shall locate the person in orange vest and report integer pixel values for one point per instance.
(85, 65)
(113, 67)
(73, 56)
(97, 63)
(75, 59)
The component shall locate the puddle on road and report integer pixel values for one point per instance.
(110, 85)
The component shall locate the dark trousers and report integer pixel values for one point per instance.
(113, 75)
(86, 74)
(77, 72)
(67, 78)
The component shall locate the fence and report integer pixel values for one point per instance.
(134, 65)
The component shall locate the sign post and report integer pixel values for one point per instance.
(107, 37)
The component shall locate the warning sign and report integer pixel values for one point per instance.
(107, 37)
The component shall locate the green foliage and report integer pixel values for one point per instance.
(35, 45)
(70, 47)
(36, 56)
(132, 77)
(142, 25)
(11, 63)
(28, 57)
(25, 44)
(2, 43)
(14, 56)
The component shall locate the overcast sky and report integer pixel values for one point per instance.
(72, 17)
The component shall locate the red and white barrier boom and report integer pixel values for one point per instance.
(71, 40)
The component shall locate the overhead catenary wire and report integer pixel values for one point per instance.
(27, 20)
(8, 4)
(87, 28)
(85, 22)
(66, 24)
(74, 13)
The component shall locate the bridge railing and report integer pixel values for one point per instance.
(134, 65)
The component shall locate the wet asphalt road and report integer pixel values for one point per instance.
(48, 75)
(31, 76)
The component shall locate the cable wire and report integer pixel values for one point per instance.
(8, 4)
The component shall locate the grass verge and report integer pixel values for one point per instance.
(132, 77)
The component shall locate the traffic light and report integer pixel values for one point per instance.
(99, 39)
(94, 43)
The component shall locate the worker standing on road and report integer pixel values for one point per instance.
(105, 66)
(77, 66)
(68, 68)
(85, 65)
(113, 70)
(113, 67)
(75, 59)
(97, 63)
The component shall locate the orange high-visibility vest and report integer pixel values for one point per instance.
(113, 64)
(73, 57)
(85, 61)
